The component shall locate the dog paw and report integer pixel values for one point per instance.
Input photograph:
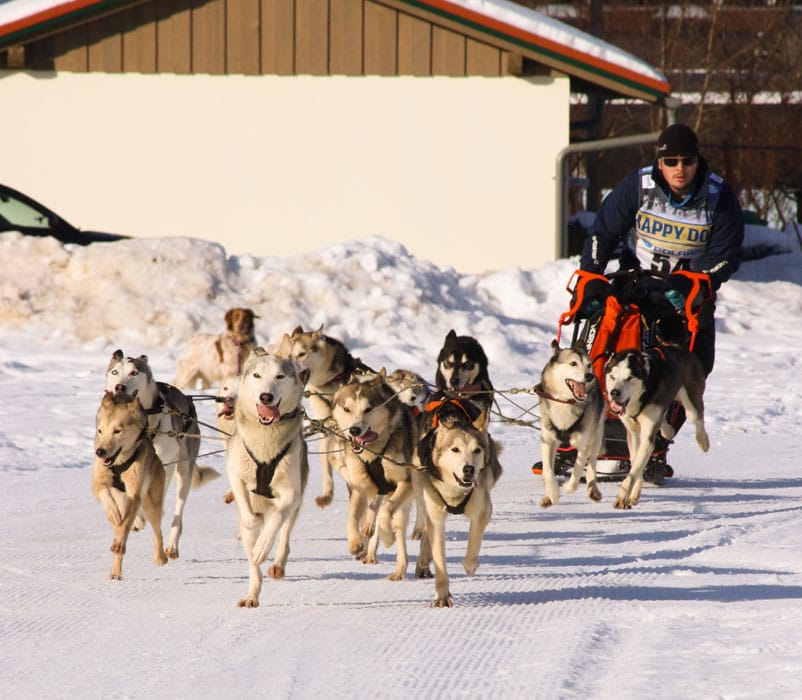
(114, 576)
(470, 566)
(228, 497)
(275, 572)
(594, 494)
(172, 552)
(248, 603)
(546, 502)
(160, 559)
(397, 576)
(445, 602)
(417, 533)
(702, 440)
(423, 572)
(370, 559)
(324, 500)
(357, 549)
(368, 529)
(117, 547)
(622, 504)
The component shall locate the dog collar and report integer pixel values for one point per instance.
(538, 389)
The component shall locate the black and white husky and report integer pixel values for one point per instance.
(641, 386)
(571, 413)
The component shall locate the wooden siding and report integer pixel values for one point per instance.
(267, 37)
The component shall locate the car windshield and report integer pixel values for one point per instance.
(14, 213)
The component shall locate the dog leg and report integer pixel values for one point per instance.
(152, 504)
(327, 494)
(641, 435)
(369, 521)
(357, 503)
(594, 493)
(183, 483)
(551, 489)
(420, 519)
(400, 521)
(129, 508)
(250, 527)
(437, 531)
(279, 566)
(476, 531)
(694, 412)
(109, 503)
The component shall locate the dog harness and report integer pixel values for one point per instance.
(118, 469)
(266, 470)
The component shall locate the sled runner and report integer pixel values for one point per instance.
(633, 314)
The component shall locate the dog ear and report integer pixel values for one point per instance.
(117, 355)
(229, 319)
(451, 336)
(298, 330)
(143, 359)
(581, 345)
(303, 376)
(425, 447)
(284, 347)
(383, 373)
(481, 421)
(259, 351)
(645, 362)
(555, 347)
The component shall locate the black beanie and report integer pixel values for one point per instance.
(677, 140)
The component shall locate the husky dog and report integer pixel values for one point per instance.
(462, 369)
(266, 462)
(458, 467)
(641, 386)
(411, 388)
(173, 425)
(209, 358)
(372, 450)
(571, 412)
(226, 398)
(127, 474)
(330, 366)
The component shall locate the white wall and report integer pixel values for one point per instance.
(460, 170)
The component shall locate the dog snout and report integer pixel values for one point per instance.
(354, 430)
(468, 472)
(266, 398)
(615, 393)
(589, 377)
(119, 388)
(100, 452)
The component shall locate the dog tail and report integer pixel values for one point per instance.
(203, 475)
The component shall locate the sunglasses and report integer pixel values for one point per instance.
(688, 161)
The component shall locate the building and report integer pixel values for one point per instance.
(279, 126)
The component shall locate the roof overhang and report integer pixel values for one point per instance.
(503, 24)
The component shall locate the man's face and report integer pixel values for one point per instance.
(679, 172)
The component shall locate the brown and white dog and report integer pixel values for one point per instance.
(127, 474)
(208, 358)
(457, 468)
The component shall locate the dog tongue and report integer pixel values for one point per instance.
(577, 388)
(268, 413)
(367, 437)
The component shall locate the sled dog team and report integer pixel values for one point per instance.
(388, 438)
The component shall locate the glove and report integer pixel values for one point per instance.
(676, 299)
(678, 287)
(594, 295)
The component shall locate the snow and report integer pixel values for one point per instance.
(695, 592)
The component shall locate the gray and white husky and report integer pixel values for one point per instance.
(372, 449)
(641, 386)
(173, 426)
(330, 365)
(266, 462)
(572, 412)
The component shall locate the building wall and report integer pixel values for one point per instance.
(459, 170)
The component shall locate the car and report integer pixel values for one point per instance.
(19, 212)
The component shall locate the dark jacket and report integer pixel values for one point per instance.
(609, 232)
